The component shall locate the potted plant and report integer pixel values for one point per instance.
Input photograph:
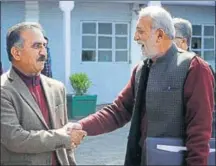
(81, 104)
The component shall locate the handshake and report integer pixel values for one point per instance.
(74, 130)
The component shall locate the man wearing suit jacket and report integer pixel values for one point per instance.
(34, 122)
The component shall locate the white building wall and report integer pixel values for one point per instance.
(195, 14)
(11, 14)
(51, 18)
(136, 54)
(108, 77)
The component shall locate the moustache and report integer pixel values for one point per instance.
(42, 58)
(140, 42)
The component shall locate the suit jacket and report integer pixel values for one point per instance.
(26, 139)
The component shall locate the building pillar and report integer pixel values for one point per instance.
(31, 11)
(154, 3)
(67, 7)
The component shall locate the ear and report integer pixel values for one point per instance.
(184, 40)
(184, 44)
(15, 52)
(160, 35)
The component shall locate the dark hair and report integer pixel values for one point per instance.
(13, 37)
(46, 38)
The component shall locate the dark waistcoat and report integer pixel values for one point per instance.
(164, 96)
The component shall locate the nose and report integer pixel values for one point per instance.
(43, 51)
(136, 36)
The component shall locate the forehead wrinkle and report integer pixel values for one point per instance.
(38, 42)
(145, 23)
(32, 34)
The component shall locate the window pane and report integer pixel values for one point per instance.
(196, 43)
(121, 42)
(89, 28)
(105, 56)
(121, 56)
(209, 43)
(121, 29)
(209, 31)
(212, 63)
(88, 55)
(209, 55)
(88, 42)
(197, 52)
(105, 28)
(105, 42)
(196, 30)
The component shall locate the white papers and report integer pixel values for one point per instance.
(171, 148)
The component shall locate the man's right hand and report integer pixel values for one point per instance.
(76, 133)
(77, 136)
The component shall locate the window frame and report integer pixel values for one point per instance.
(202, 49)
(113, 36)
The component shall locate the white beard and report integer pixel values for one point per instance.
(147, 48)
(148, 54)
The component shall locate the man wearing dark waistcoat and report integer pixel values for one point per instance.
(34, 122)
(179, 85)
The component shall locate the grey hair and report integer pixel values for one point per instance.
(183, 29)
(161, 19)
(13, 37)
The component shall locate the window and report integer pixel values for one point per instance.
(105, 42)
(203, 42)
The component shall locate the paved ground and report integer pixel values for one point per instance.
(106, 149)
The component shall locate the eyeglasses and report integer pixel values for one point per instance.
(178, 37)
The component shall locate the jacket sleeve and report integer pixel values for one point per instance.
(114, 115)
(199, 99)
(18, 140)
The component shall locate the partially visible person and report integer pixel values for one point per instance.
(34, 122)
(47, 70)
(183, 36)
(1, 69)
(183, 33)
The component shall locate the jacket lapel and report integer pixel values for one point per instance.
(50, 99)
(26, 95)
